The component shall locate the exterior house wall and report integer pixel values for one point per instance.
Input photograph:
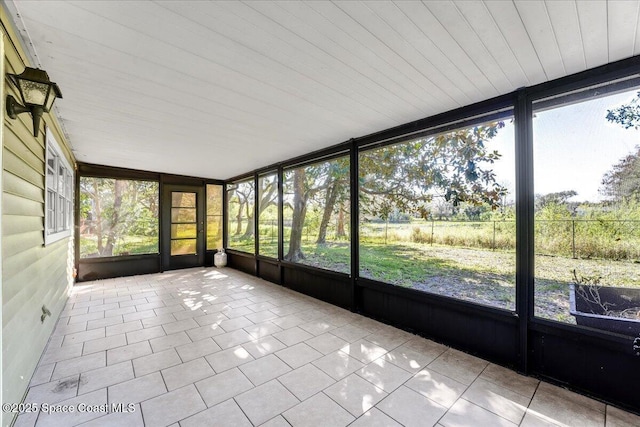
(33, 274)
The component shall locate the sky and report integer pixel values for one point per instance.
(574, 146)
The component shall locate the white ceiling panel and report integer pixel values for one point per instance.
(215, 89)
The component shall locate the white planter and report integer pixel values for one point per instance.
(220, 259)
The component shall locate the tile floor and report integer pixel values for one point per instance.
(209, 347)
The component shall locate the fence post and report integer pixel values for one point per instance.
(432, 221)
(494, 235)
(573, 237)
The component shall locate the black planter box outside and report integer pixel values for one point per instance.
(592, 315)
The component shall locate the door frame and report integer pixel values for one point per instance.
(182, 261)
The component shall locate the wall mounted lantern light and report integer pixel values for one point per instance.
(37, 92)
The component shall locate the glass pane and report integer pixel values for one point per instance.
(437, 214)
(214, 199)
(51, 179)
(587, 210)
(134, 230)
(214, 232)
(34, 92)
(182, 231)
(240, 208)
(183, 215)
(69, 185)
(60, 223)
(61, 179)
(183, 200)
(317, 232)
(268, 218)
(183, 247)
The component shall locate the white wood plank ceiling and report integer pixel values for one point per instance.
(215, 89)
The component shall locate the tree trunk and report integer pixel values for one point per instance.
(115, 217)
(299, 213)
(251, 226)
(340, 233)
(239, 217)
(98, 214)
(329, 204)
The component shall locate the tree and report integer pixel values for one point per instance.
(558, 198)
(451, 166)
(622, 182)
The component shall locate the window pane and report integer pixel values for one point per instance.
(61, 179)
(268, 218)
(182, 231)
(587, 209)
(60, 220)
(118, 217)
(51, 177)
(183, 215)
(183, 200)
(214, 199)
(437, 214)
(240, 208)
(51, 212)
(214, 216)
(316, 215)
(214, 232)
(183, 247)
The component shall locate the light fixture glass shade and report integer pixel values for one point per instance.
(36, 90)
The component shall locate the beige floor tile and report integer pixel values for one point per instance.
(499, 400)
(292, 336)
(42, 374)
(154, 362)
(534, 419)
(619, 418)
(384, 375)
(266, 401)
(460, 366)
(232, 339)
(298, 355)
(263, 346)
(169, 341)
(128, 352)
(263, 329)
(261, 316)
(86, 317)
(338, 364)
(158, 320)
(83, 336)
(54, 391)
(287, 321)
(363, 350)
(350, 333)
(123, 328)
(278, 421)
(318, 411)
(206, 331)
(57, 354)
(104, 377)
(70, 367)
(130, 418)
(426, 347)
(179, 326)
(173, 406)
(210, 319)
(264, 369)
(326, 343)
(355, 394)
(567, 407)
(306, 381)
(223, 386)
(229, 358)
(119, 312)
(227, 413)
(104, 307)
(465, 414)
(138, 389)
(509, 379)
(375, 418)
(186, 373)
(28, 419)
(102, 344)
(189, 313)
(139, 315)
(411, 409)
(235, 324)
(318, 327)
(58, 419)
(437, 387)
(197, 349)
(107, 321)
(145, 334)
(408, 359)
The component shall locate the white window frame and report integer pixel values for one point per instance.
(62, 222)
